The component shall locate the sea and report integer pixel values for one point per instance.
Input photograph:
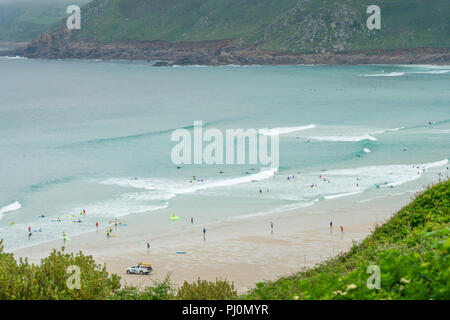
(95, 136)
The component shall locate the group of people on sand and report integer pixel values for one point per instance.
(331, 226)
(109, 230)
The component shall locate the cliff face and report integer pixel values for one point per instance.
(253, 32)
(61, 45)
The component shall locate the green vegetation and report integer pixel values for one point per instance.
(412, 251)
(25, 20)
(285, 25)
(204, 290)
(24, 281)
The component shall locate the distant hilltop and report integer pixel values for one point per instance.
(217, 32)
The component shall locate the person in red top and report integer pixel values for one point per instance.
(342, 229)
(29, 228)
(96, 224)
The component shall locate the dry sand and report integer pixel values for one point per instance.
(241, 250)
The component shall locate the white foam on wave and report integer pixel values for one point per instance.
(340, 195)
(389, 175)
(279, 209)
(14, 58)
(173, 188)
(119, 208)
(285, 130)
(391, 74)
(148, 196)
(388, 130)
(433, 72)
(354, 137)
(344, 138)
(367, 150)
(10, 207)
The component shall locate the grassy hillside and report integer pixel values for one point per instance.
(412, 251)
(283, 25)
(25, 20)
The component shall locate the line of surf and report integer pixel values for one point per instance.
(10, 207)
(391, 74)
(175, 188)
(344, 138)
(285, 130)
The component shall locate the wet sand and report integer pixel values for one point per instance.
(244, 251)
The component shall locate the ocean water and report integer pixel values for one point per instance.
(95, 135)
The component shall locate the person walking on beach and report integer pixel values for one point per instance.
(204, 233)
(96, 224)
(148, 246)
(331, 224)
(29, 228)
(271, 227)
(342, 229)
(192, 220)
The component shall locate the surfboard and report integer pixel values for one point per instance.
(181, 252)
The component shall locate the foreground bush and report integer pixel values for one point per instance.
(160, 290)
(207, 290)
(51, 279)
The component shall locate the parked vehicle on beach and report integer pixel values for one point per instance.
(140, 269)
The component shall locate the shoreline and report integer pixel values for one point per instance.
(242, 250)
(163, 63)
(61, 45)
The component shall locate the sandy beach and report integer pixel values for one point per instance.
(241, 250)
